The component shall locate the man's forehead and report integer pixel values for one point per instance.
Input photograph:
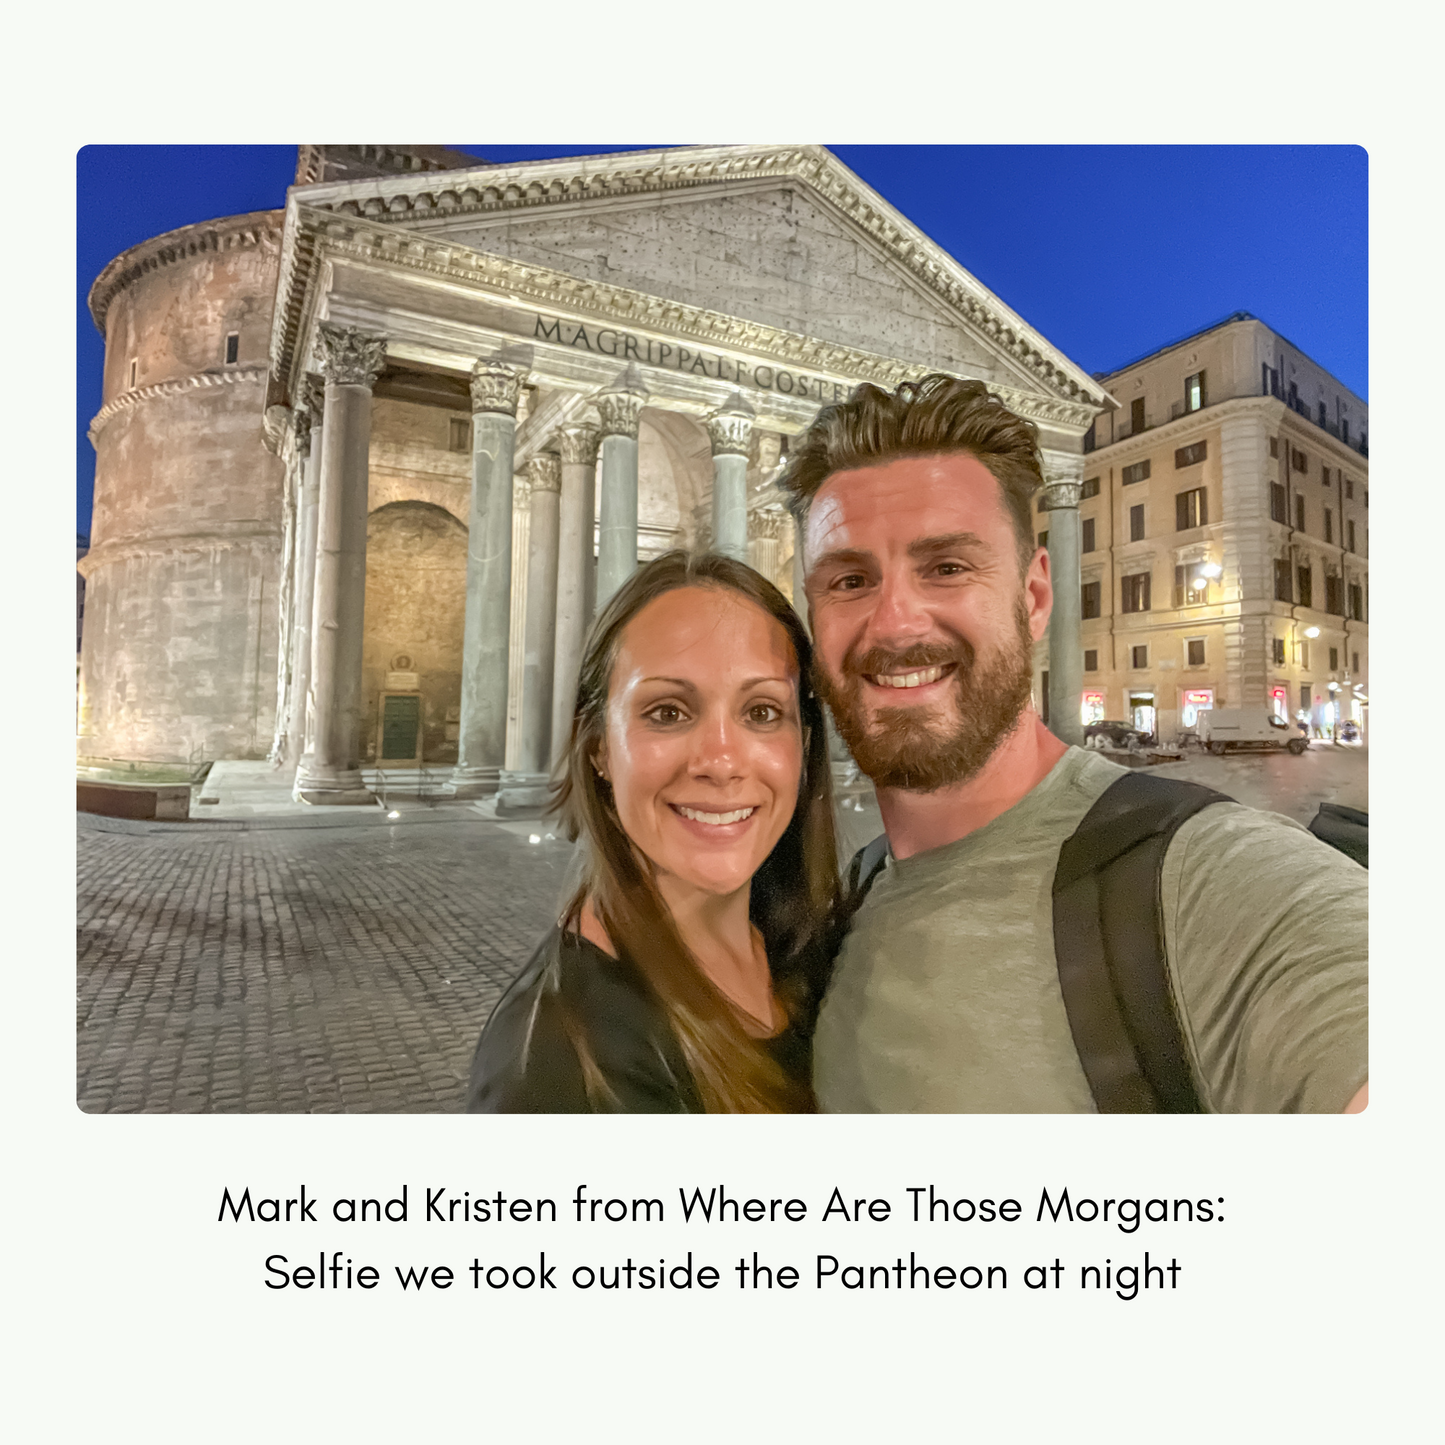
(891, 504)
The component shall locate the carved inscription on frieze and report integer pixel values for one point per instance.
(609, 341)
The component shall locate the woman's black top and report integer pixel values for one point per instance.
(526, 1061)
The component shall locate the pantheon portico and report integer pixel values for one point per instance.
(489, 391)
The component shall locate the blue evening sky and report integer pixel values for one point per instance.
(1109, 251)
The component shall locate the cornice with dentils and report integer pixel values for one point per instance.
(255, 228)
(432, 200)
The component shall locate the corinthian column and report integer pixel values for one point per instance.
(1063, 479)
(619, 407)
(350, 361)
(308, 444)
(526, 787)
(482, 740)
(579, 443)
(730, 429)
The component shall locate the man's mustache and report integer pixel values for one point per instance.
(922, 654)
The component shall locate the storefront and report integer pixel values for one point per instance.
(1193, 702)
(1142, 712)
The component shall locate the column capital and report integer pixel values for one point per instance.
(350, 357)
(768, 524)
(620, 405)
(730, 427)
(1063, 478)
(496, 385)
(578, 442)
(544, 472)
(301, 430)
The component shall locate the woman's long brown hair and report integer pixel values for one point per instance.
(794, 893)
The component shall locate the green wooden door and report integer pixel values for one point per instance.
(400, 726)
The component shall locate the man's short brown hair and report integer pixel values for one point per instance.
(933, 417)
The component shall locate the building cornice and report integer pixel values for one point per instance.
(314, 239)
(174, 387)
(433, 200)
(254, 229)
(244, 536)
(1271, 408)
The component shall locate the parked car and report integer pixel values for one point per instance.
(1115, 735)
(1226, 729)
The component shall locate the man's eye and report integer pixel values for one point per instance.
(850, 582)
(951, 569)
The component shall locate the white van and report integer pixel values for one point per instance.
(1223, 729)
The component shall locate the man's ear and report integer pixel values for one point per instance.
(1038, 593)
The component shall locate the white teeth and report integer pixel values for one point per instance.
(716, 819)
(908, 679)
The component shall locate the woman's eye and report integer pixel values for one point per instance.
(665, 713)
(764, 712)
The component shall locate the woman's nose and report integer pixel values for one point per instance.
(718, 751)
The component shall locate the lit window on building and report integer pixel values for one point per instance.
(1194, 391)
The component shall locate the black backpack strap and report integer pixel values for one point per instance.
(1347, 829)
(867, 862)
(1109, 945)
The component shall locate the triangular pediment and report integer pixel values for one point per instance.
(784, 236)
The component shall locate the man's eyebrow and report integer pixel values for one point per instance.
(845, 557)
(952, 542)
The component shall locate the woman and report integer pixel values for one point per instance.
(684, 972)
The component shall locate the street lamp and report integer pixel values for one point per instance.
(1312, 632)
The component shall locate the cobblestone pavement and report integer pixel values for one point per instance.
(350, 967)
(299, 970)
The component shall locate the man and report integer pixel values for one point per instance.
(926, 594)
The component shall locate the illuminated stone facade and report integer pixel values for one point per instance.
(631, 338)
(1225, 530)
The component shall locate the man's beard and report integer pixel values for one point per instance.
(910, 747)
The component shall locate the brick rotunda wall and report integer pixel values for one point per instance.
(178, 663)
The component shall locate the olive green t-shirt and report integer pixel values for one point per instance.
(945, 998)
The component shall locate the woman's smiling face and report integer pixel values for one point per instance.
(704, 748)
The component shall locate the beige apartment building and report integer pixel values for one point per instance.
(1224, 526)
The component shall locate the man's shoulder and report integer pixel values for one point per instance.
(1231, 834)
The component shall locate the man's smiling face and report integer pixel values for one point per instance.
(923, 622)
